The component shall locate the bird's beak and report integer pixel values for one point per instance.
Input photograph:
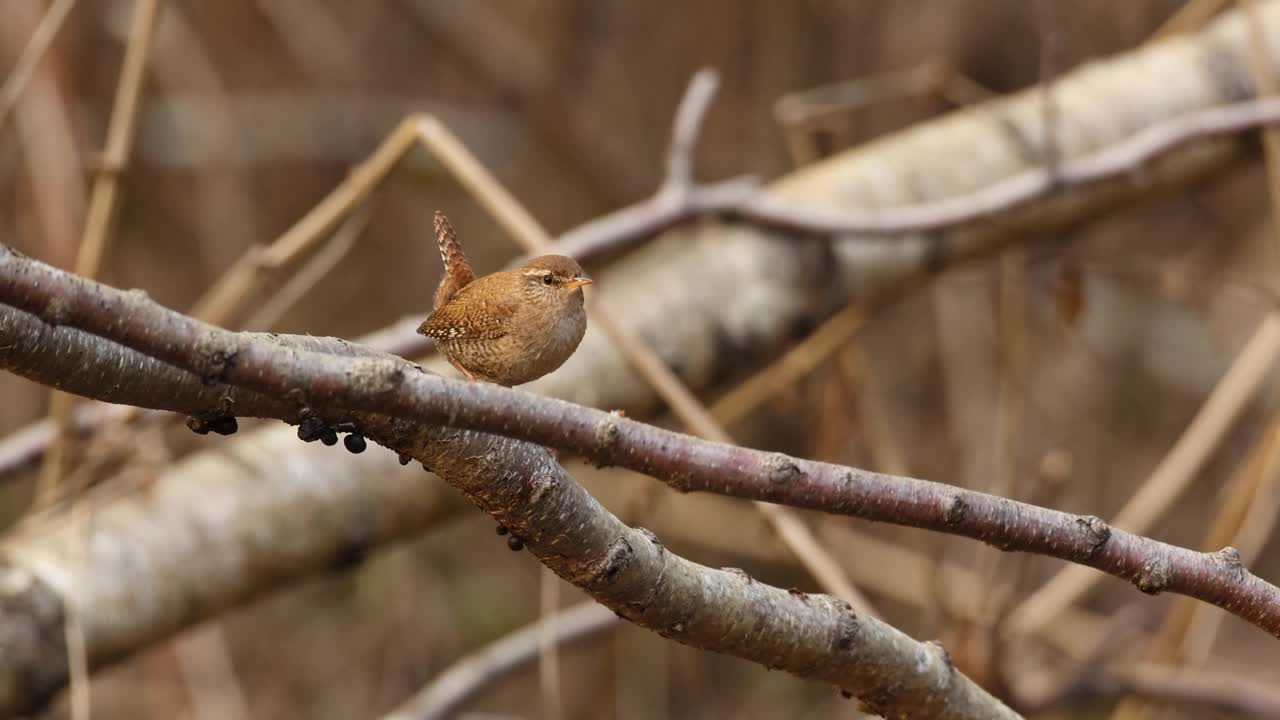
(578, 282)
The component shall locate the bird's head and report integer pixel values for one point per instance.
(554, 274)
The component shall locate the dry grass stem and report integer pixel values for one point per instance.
(22, 71)
(101, 212)
(1170, 478)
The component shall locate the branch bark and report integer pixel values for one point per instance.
(210, 533)
(814, 636)
(349, 379)
(344, 383)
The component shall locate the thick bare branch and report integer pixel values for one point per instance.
(390, 386)
(209, 533)
(814, 636)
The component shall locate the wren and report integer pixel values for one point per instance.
(509, 327)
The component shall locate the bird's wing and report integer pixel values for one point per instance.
(457, 269)
(469, 317)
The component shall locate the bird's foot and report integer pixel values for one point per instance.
(458, 366)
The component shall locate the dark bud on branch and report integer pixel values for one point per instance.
(225, 425)
(354, 443)
(311, 429)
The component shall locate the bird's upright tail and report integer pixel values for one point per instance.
(457, 269)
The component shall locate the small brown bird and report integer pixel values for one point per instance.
(509, 327)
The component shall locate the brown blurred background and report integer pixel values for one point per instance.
(255, 109)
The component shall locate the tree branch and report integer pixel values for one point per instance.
(814, 636)
(209, 533)
(742, 198)
(387, 386)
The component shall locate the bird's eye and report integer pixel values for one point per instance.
(547, 279)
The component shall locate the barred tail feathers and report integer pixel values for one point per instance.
(457, 269)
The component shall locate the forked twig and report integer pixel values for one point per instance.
(744, 200)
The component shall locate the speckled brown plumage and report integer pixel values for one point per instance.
(509, 327)
(457, 269)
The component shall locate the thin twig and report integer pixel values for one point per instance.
(743, 200)
(224, 206)
(806, 115)
(76, 607)
(226, 297)
(1171, 477)
(690, 115)
(1264, 80)
(313, 271)
(485, 667)
(120, 137)
(102, 206)
(1243, 697)
(800, 360)
(549, 645)
(31, 54)
(1169, 644)
(856, 371)
(209, 672)
(1011, 316)
(515, 66)
(1250, 536)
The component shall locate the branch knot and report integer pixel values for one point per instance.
(615, 560)
(1229, 558)
(955, 510)
(1096, 533)
(215, 357)
(1155, 576)
(781, 470)
(607, 434)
